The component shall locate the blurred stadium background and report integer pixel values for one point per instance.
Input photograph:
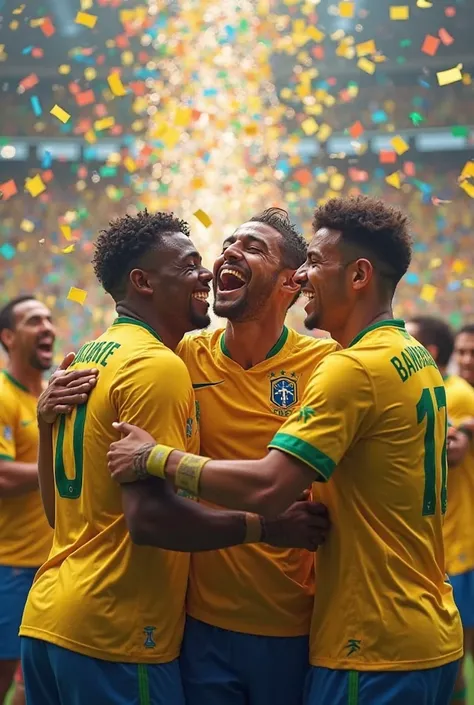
(218, 109)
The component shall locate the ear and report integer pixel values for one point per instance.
(6, 337)
(140, 281)
(288, 284)
(362, 273)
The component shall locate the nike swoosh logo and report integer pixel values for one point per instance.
(206, 384)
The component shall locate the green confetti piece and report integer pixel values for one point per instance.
(460, 131)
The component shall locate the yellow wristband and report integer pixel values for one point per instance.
(156, 463)
(188, 473)
(253, 532)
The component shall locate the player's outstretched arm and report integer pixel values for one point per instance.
(156, 516)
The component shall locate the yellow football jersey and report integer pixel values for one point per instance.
(458, 529)
(373, 419)
(255, 589)
(25, 535)
(99, 594)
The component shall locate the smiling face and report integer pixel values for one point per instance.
(464, 356)
(248, 273)
(32, 336)
(178, 282)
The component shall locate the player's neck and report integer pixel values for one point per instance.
(26, 375)
(359, 320)
(167, 336)
(250, 342)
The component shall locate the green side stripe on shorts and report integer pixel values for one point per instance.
(353, 689)
(143, 686)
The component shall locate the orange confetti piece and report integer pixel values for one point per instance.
(356, 130)
(47, 27)
(445, 37)
(430, 45)
(387, 156)
(29, 81)
(85, 98)
(7, 190)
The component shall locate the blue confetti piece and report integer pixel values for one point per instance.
(379, 116)
(210, 92)
(454, 286)
(47, 160)
(7, 251)
(26, 50)
(36, 105)
(412, 278)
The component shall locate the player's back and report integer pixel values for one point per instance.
(99, 594)
(458, 531)
(385, 431)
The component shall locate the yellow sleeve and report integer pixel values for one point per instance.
(155, 393)
(7, 430)
(337, 400)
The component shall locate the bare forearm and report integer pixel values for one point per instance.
(17, 478)
(162, 519)
(46, 470)
(250, 485)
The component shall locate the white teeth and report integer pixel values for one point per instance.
(228, 270)
(201, 295)
(309, 295)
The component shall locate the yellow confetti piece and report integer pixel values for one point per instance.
(468, 188)
(86, 19)
(399, 12)
(104, 123)
(64, 69)
(171, 137)
(366, 65)
(336, 182)
(203, 218)
(325, 131)
(59, 113)
(366, 48)
(423, 4)
(315, 34)
(66, 231)
(35, 186)
(183, 114)
(116, 85)
(86, 4)
(346, 9)
(129, 164)
(435, 263)
(90, 136)
(428, 293)
(309, 126)
(469, 283)
(458, 266)
(68, 249)
(27, 225)
(468, 170)
(394, 179)
(78, 295)
(90, 73)
(399, 145)
(450, 75)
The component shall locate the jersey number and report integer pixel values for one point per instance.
(426, 408)
(71, 489)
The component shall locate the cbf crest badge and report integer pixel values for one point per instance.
(283, 392)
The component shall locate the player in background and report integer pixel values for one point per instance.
(438, 338)
(249, 607)
(27, 335)
(464, 353)
(249, 611)
(372, 429)
(96, 629)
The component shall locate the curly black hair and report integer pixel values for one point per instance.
(120, 247)
(435, 331)
(370, 224)
(294, 246)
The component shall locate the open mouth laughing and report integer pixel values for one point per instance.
(230, 279)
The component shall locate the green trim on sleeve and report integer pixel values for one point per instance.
(6, 457)
(304, 451)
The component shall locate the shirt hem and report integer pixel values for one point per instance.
(350, 665)
(71, 645)
(245, 628)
